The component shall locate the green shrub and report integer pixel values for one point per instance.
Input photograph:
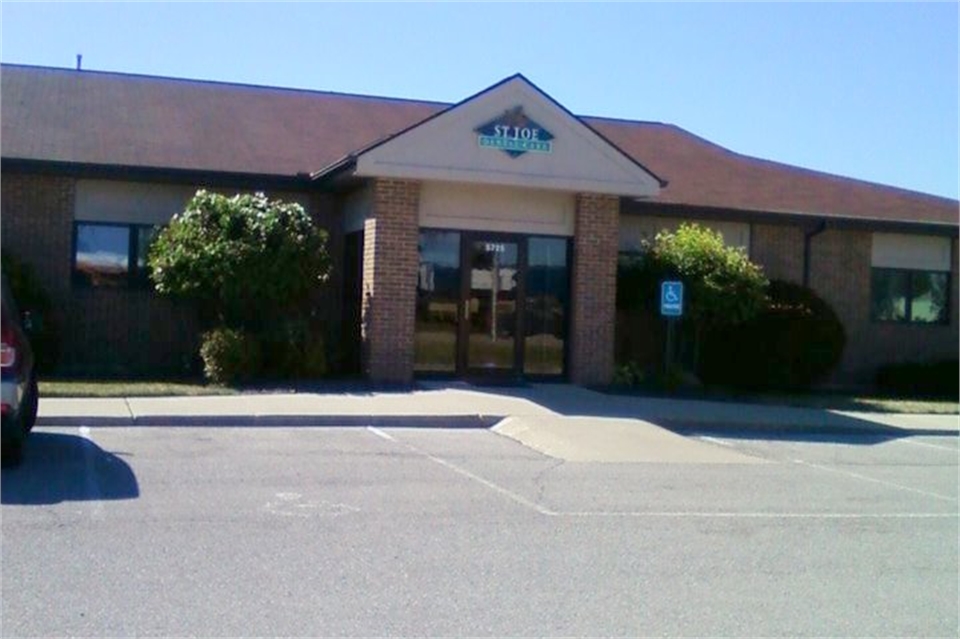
(791, 345)
(32, 299)
(245, 261)
(294, 349)
(230, 356)
(629, 374)
(722, 286)
(920, 379)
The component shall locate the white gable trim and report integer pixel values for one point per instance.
(447, 147)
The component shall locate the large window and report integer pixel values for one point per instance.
(438, 296)
(111, 255)
(910, 296)
(547, 305)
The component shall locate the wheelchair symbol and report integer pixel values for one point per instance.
(671, 299)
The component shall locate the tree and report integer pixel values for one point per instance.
(722, 286)
(244, 261)
(254, 269)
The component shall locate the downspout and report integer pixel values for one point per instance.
(807, 236)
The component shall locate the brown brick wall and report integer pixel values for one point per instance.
(390, 260)
(840, 273)
(594, 291)
(779, 250)
(113, 332)
(36, 226)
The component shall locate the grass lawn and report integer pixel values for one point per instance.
(120, 388)
(831, 401)
(823, 400)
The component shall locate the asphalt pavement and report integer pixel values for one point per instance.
(538, 511)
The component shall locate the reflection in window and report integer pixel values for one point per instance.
(547, 306)
(103, 254)
(900, 295)
(145, 237)
(112, 255)
(438, 297)
(928, 297)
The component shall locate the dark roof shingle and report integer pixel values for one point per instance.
(115, 119)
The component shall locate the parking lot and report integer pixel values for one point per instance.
(302, 531)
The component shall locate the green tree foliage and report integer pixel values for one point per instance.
(246, 262)
(722, 286)
(254, 269)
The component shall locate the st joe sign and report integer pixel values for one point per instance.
(515, 134)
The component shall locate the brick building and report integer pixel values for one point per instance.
(479, 238)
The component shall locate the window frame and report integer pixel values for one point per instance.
(136, 278)
(908, 316)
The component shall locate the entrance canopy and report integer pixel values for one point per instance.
(511, 134)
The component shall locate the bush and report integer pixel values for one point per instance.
(920, 379)
(230, 356)
(294, 349)
(629, 374)
(722, 286)
(32, 298)
(791, 345)
(246, 262)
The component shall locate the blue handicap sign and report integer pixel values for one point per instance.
(671, 299)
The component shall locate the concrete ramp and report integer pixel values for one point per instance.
(612, 440)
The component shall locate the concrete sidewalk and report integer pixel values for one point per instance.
(561, 420)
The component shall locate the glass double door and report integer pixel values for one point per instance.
(491, 291)
(491, 305)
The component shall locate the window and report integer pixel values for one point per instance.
(111, 255)
(547, 305)
(910, 296)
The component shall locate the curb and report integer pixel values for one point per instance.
(694, 427)
(226, 421)
(684, 427)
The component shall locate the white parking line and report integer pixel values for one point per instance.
(758, 515)
(874, 480)
(714, 440)
(379, 433)
(689, 514)
(489, 484)
(953, 450)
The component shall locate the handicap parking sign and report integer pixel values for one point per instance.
(671, 299)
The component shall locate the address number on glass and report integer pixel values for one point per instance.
(494, 247)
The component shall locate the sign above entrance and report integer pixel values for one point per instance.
(515, 134)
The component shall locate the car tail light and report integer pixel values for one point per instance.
(8, 349)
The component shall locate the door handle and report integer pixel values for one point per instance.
(466, 309)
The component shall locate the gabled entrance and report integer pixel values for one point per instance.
(458, 213)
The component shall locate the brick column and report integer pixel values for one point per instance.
(595, 245)
(390, 260)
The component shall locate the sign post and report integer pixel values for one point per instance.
(671, 307)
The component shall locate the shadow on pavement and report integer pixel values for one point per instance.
(58, 468)
(722, 419)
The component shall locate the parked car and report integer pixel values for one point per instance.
(19, 380)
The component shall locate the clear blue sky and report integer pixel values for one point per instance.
(863, 90)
